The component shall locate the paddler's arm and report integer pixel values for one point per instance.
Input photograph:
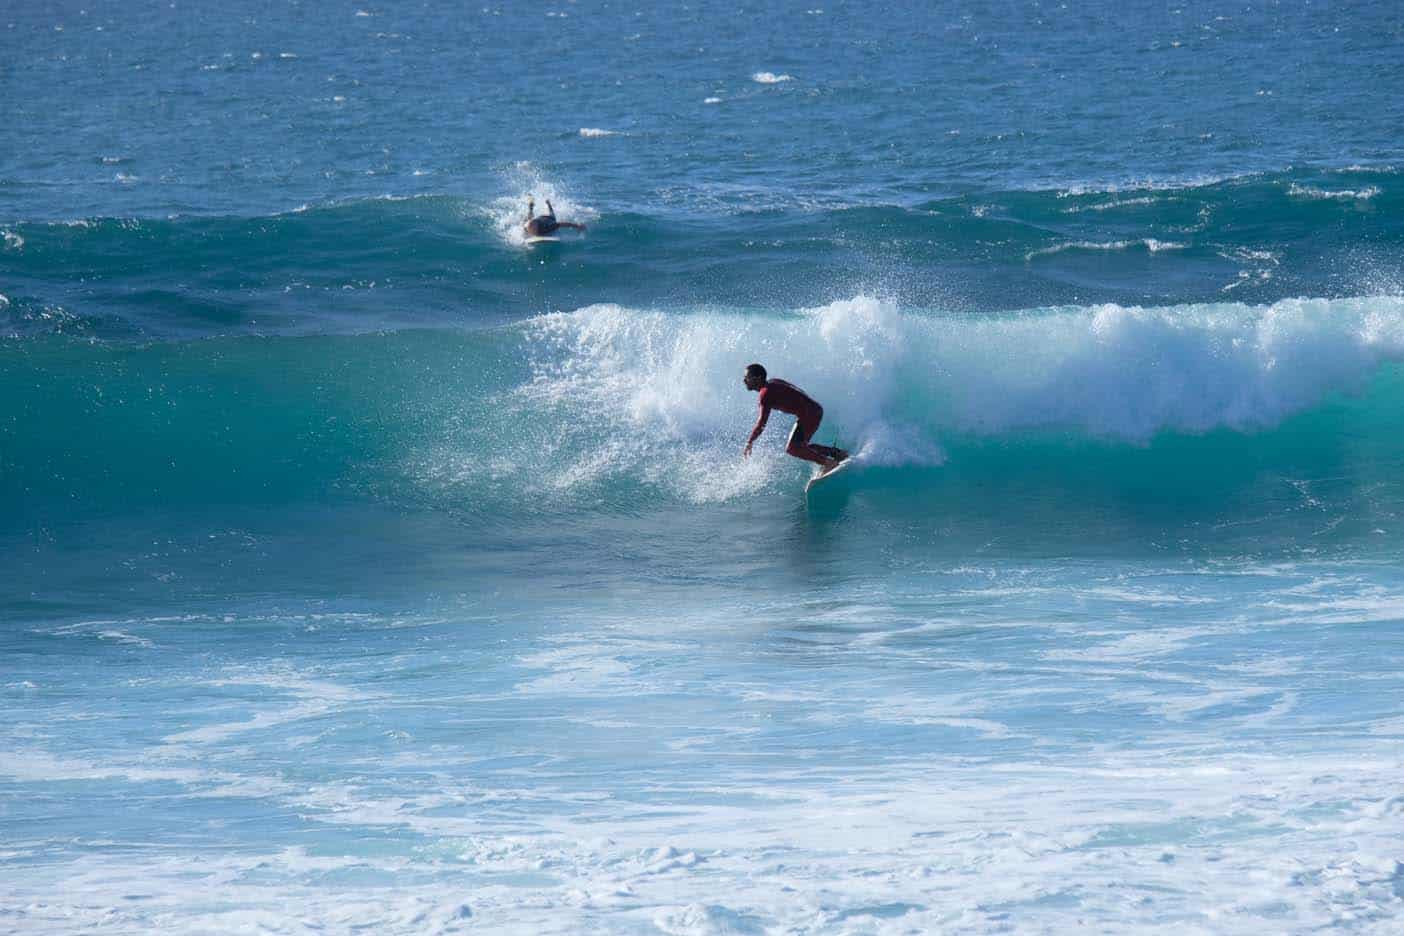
(760, 427)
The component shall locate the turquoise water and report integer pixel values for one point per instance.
(366, 568)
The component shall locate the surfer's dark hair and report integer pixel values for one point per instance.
(755, 370)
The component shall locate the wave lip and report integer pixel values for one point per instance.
(1312, 192)
(1150, 244)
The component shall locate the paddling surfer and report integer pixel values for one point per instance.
(787, 398)
(543, 225)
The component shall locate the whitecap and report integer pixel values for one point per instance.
(1311, 192)
(1077, 189)
(124, 637)
(589, 132)
(1116, 203)
(766, 77)
(1109, 370)
(1149, 243)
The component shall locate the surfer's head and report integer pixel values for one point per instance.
(755, 377)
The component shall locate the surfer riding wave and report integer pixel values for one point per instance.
(787, 398)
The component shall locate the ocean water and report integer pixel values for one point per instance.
(365, 569)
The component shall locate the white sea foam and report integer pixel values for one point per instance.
(290, 697)
(12, 240)
(1149, 243)
(1250, 254)
(1115, 203)
(1317, 194)
(1245, 277)
(765, 77)
(590, 132)
(1236, 843)
(712, 100)
(124, 637)
(1148, 184)
(846, 760)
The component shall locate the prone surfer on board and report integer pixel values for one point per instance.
(787, 398)
(542, 225)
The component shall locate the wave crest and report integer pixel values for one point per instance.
(882, 373)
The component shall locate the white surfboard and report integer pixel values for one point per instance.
(826, 475)
(543, 240)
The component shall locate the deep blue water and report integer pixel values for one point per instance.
(365, 567)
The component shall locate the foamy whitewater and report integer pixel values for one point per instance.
(368, 568)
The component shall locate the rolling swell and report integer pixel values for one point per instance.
(433, 261)
(1221, 412)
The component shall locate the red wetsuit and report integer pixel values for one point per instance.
(787, 398)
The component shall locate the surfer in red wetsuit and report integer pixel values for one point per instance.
(787, 398)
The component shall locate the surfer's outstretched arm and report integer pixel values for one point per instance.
(759, 428)
(550, 212)
(531, 208)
